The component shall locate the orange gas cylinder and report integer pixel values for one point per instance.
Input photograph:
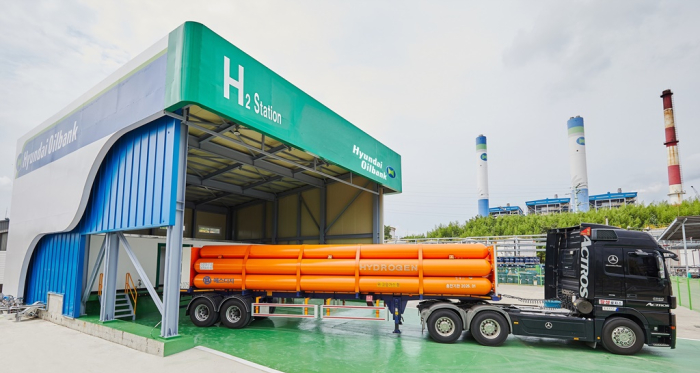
(218, 281)
(218, 266)
(457, 285)
(328, 267)
(328, 283)
(330, 251)
(228, 252)
(453, 269)
(373, 284)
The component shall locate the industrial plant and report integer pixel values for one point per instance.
(580, 201)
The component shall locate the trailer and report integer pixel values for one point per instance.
(602, 285)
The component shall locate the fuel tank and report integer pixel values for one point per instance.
(450, 269)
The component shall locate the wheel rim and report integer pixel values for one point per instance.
(624, 337)
(233, 314)
(489, 328)
(444, 326)
(201, 312)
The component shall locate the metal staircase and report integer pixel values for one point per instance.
(123, 305)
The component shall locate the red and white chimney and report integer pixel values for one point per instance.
(675, 182)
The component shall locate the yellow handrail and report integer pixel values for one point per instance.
(99, 286)
(130, 289)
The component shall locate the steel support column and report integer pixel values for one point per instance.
(173, 249)
(263, 229)
(109, 287)
(142, 273)
(194, 222)
(275, 219)
(381, 214)
(234, 224)
(375, 219)
(322, 217)
(299, 217)
(87, 287)
(229, 219)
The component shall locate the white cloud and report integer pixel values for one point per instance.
(423, 77)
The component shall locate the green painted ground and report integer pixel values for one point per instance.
(293, 345)
(171, 346)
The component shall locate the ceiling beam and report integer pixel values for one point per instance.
(234, 155)
(230, 188)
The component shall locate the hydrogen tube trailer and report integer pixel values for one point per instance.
(607, 285)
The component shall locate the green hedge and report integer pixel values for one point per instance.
(631, 216)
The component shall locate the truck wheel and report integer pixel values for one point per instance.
(234, 314)
(622, 336)
(202, 313)
(489, 328)
(444, 326)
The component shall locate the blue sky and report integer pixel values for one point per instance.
(425, 78)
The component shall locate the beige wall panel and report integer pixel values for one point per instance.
(312, 199)
(311, 242)
(357, 218)
(211, 220)
(249, 222)
(288, 216)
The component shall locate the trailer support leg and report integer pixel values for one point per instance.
(397, 306)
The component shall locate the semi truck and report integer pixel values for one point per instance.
(602, 284)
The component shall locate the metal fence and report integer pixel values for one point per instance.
(521, 245)
(687, 291)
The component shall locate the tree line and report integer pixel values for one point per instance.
(655, 215)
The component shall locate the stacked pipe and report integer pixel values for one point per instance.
(675, 184)
(460, 269)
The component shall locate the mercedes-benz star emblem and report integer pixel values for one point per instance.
(612, 259)
(548, 325)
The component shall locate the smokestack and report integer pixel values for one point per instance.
(577, 164)
(482, 176)
(675, 184)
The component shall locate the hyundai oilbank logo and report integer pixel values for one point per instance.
(391, 172)
(612, 259)
(207, 280)
(483, 156)
(20, 159)
(581, 141)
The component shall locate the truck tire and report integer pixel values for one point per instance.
(445, 326)
(202, 312)
(622, 336)
(234, 314)
(489, 328)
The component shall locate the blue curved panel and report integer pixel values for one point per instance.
(136, 184)
(57, 266)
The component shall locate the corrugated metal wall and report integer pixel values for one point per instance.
(133, 189)
(135, 185)
(57, 266)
